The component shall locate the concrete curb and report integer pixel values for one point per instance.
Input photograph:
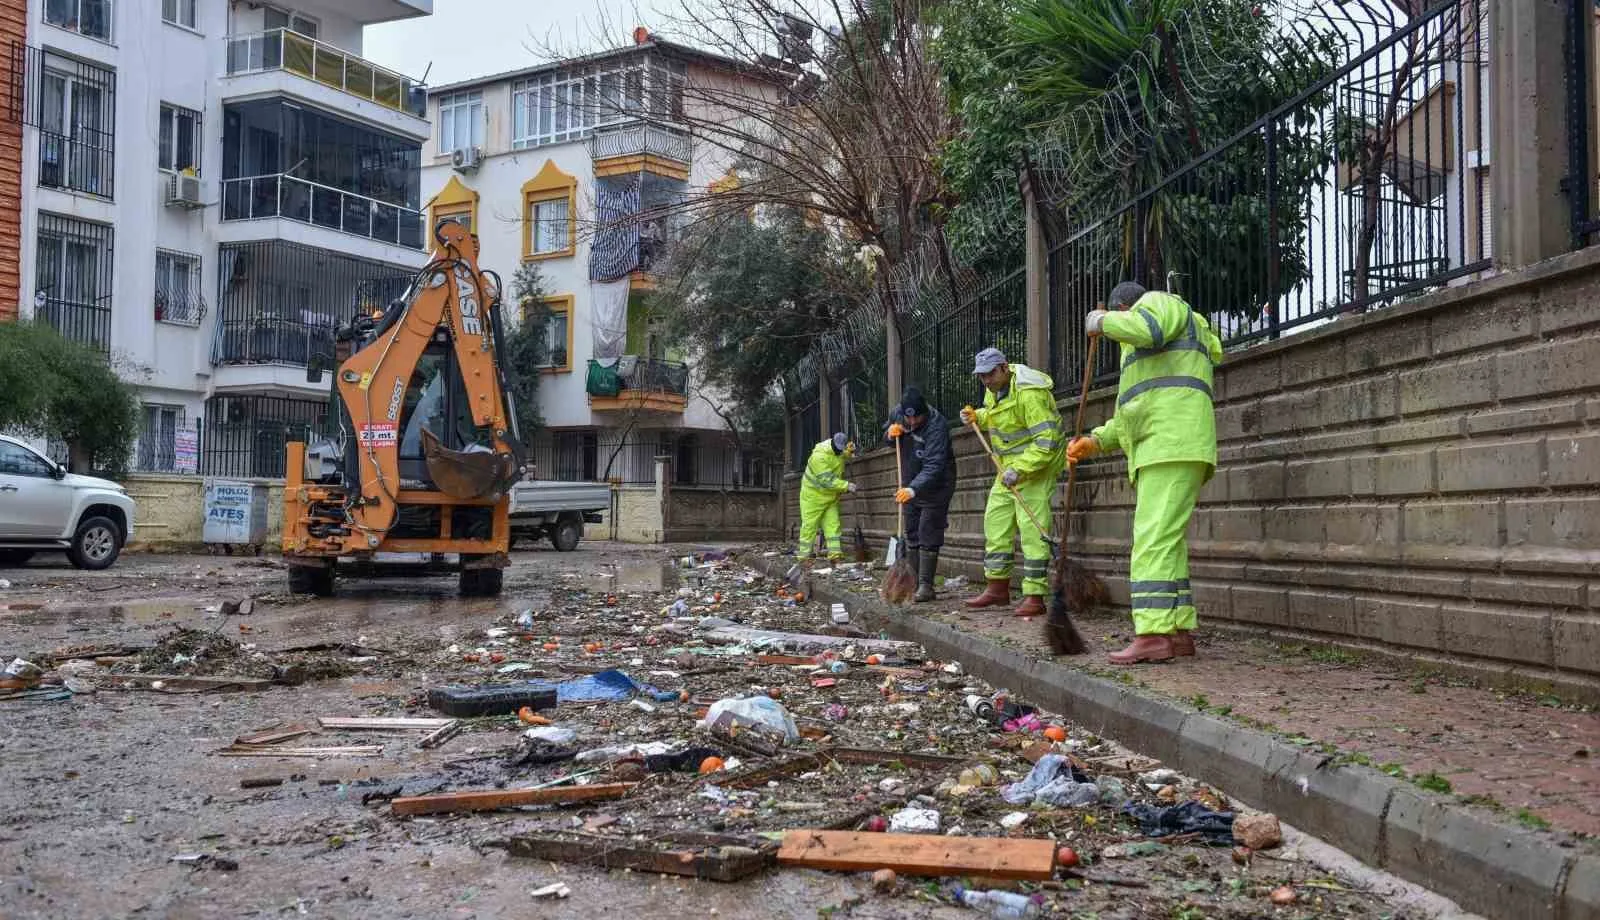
(1485, 867)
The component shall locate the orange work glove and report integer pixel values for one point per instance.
(968, 415)
(904, 494)
(1082, 449)
(896, 430)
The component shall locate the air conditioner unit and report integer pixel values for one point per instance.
(467, 159)
(183, 191)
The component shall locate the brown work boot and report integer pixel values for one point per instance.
(1031, 606)
(1144, 648)
(1183, 643)
(997, 594)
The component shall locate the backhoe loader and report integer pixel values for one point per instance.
(420, 448)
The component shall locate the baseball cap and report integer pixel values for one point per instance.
(987, 360)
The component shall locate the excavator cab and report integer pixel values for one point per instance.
(422, 449)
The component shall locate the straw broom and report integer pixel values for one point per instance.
(1073, 587)
(899, 583)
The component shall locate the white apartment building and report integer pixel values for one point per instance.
(209, 187)
(546, 165)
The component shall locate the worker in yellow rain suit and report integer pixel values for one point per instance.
(820, 489)
(1020, 420)
(1165, 423)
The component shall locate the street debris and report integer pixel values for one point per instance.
(505, 798)
(917, 854)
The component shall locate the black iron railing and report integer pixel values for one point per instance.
(73, 104)
(697, 460)
(247, 436)
(655, 376)
(1361, 190)
(73, 263)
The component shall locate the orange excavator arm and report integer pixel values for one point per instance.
(451, 293)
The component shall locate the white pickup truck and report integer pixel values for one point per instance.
(557, 510)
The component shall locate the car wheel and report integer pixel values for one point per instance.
(565, 535)
(15, 556)
(481, 582)
(311, 579)
(96, 545)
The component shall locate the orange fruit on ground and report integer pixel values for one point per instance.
(1056, 733)
(551, 646)
(710, 765)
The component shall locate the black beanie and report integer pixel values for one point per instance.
(912, 403)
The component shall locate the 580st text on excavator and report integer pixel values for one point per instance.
(420, 447)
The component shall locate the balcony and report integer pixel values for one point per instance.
(261, 197)
(615, 145)
(285, 49)
(647, 384)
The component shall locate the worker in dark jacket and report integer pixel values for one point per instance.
(928, 469)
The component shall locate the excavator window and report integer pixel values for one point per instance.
(435, 399)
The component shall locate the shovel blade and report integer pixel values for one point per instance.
(469, 474)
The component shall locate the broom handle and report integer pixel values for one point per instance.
(1013, 489)
(1083, 403)
(900, 483)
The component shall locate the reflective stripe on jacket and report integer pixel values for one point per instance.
(1164, 411)
(1023, 426)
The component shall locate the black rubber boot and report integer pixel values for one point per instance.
(912, 554)
(927, 567)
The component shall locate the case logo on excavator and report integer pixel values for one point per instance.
(467, 297)
(394, 399)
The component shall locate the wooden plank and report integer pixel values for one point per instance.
(273, 750)
(706, 856)
(380, 723)
(183, 682)
(490, 799)
(274, 735)
(917, 854)
(439, 737)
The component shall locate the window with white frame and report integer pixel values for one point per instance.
(178, 143)
(86, 17)
(566, 104)
(178, 297)
(181, 12)
(460, 121)
(275, 18)
(551, 225)
(158, 438)
(75, 112)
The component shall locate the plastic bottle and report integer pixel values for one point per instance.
(1003, 905)
(983, 709)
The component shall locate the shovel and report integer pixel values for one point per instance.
(476, 472)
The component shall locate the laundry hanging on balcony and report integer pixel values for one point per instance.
(609, 324)
(614, 253)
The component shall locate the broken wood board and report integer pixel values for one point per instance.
(760, 776)
(276, 750)
(918, 854)
(274, 735)
(441, 735)
(715, 857)
(182, 683)
(788, 642)
(491, 799)
(380, 723)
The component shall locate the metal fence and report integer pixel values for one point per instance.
(247, 436)
(1364, 188)
(694, 459)
(939, 353)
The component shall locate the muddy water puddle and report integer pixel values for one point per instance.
(632, 578)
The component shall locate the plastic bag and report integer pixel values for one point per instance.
(1053, 781)
(755, 710)
(552, 734)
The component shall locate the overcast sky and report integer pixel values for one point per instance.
(471, 38)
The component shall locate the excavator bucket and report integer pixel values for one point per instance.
(471, 473)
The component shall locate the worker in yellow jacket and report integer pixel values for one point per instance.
(1165, 423)
(1020, 420)
(820, 489)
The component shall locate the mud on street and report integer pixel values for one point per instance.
(119, 799)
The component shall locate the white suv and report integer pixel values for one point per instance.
(43, 507)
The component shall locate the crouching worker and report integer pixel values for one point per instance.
(1165, 423)
(820, 490)
(928, 469)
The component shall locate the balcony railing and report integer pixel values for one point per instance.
(82, 322)
(310, 203)
(638, 137)
(651, 375)
(285, 49)
(274, 340)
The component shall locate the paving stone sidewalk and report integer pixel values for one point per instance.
(1537, 760)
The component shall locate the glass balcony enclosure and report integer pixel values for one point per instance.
(281, 159)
